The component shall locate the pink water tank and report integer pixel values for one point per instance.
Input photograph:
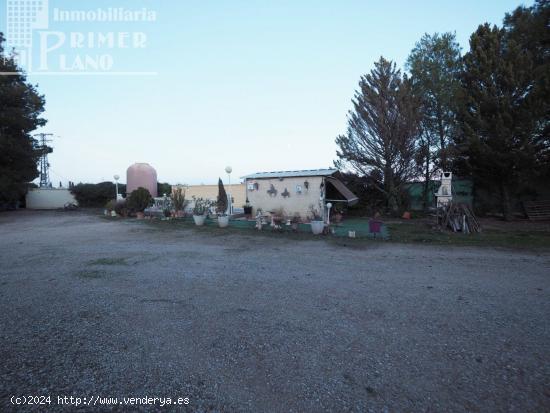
(141, 174)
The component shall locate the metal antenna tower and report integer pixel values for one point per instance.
(44, 151)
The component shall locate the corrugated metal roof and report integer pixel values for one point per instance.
(288, 174)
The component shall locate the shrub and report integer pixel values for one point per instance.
(121, 208)
(111, 205)
(296, 218)
(164, 188)
(221, 207)
(139, 199)
(201, 206)
(178, 199)
(279, 215)
(96, 195)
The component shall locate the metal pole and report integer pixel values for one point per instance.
(229, 192)
(228, 170)
(116, 186)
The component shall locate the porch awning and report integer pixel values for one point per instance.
(343, 189)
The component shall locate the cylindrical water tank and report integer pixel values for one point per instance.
(141, 175)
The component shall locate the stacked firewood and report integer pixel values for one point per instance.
(458, 218)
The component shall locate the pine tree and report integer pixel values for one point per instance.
(529, 27)
(382, 131)
(20, 109)
(504, 114)
(222, 199)
(435, 65)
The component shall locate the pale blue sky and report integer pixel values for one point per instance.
(259, 85)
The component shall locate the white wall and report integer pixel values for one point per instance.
(296, 203)
(49, 198)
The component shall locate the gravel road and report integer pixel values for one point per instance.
(240, 322)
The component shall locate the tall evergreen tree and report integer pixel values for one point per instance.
(504, 116)
(20, 109)
(382, 131)
(435, 65)
(529, 28)
(222, 203)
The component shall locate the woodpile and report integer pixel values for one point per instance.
(457, 218)
(537, 210)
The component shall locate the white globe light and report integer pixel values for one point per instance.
(329, 205)
(228, 169)
(116, 177)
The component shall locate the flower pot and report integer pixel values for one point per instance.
(247, 210)
(223, 221)
(317, 227)
(140, 215)
(180, 214)
(199, 220)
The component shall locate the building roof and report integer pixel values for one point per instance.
(344, 191)
(288, 174)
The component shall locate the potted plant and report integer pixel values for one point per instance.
(200, 210)
(247, 208)
(221, 206)
(316, 221)
(138, 200)
(179, 201)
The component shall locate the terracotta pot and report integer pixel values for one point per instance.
(199, 220)
(140, 215)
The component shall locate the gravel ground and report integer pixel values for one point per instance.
(239, 322)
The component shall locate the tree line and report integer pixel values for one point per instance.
(483, 115)
(21, 107)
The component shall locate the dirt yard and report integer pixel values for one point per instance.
(239, 322)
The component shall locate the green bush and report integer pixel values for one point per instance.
(201, 206)
(96, 195)
(111, 205)
(221, 207)
(164, 188)
(121, 208)
(139, 199)
(178, 199)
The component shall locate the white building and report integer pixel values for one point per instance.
(296, 192)
(49, 198)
